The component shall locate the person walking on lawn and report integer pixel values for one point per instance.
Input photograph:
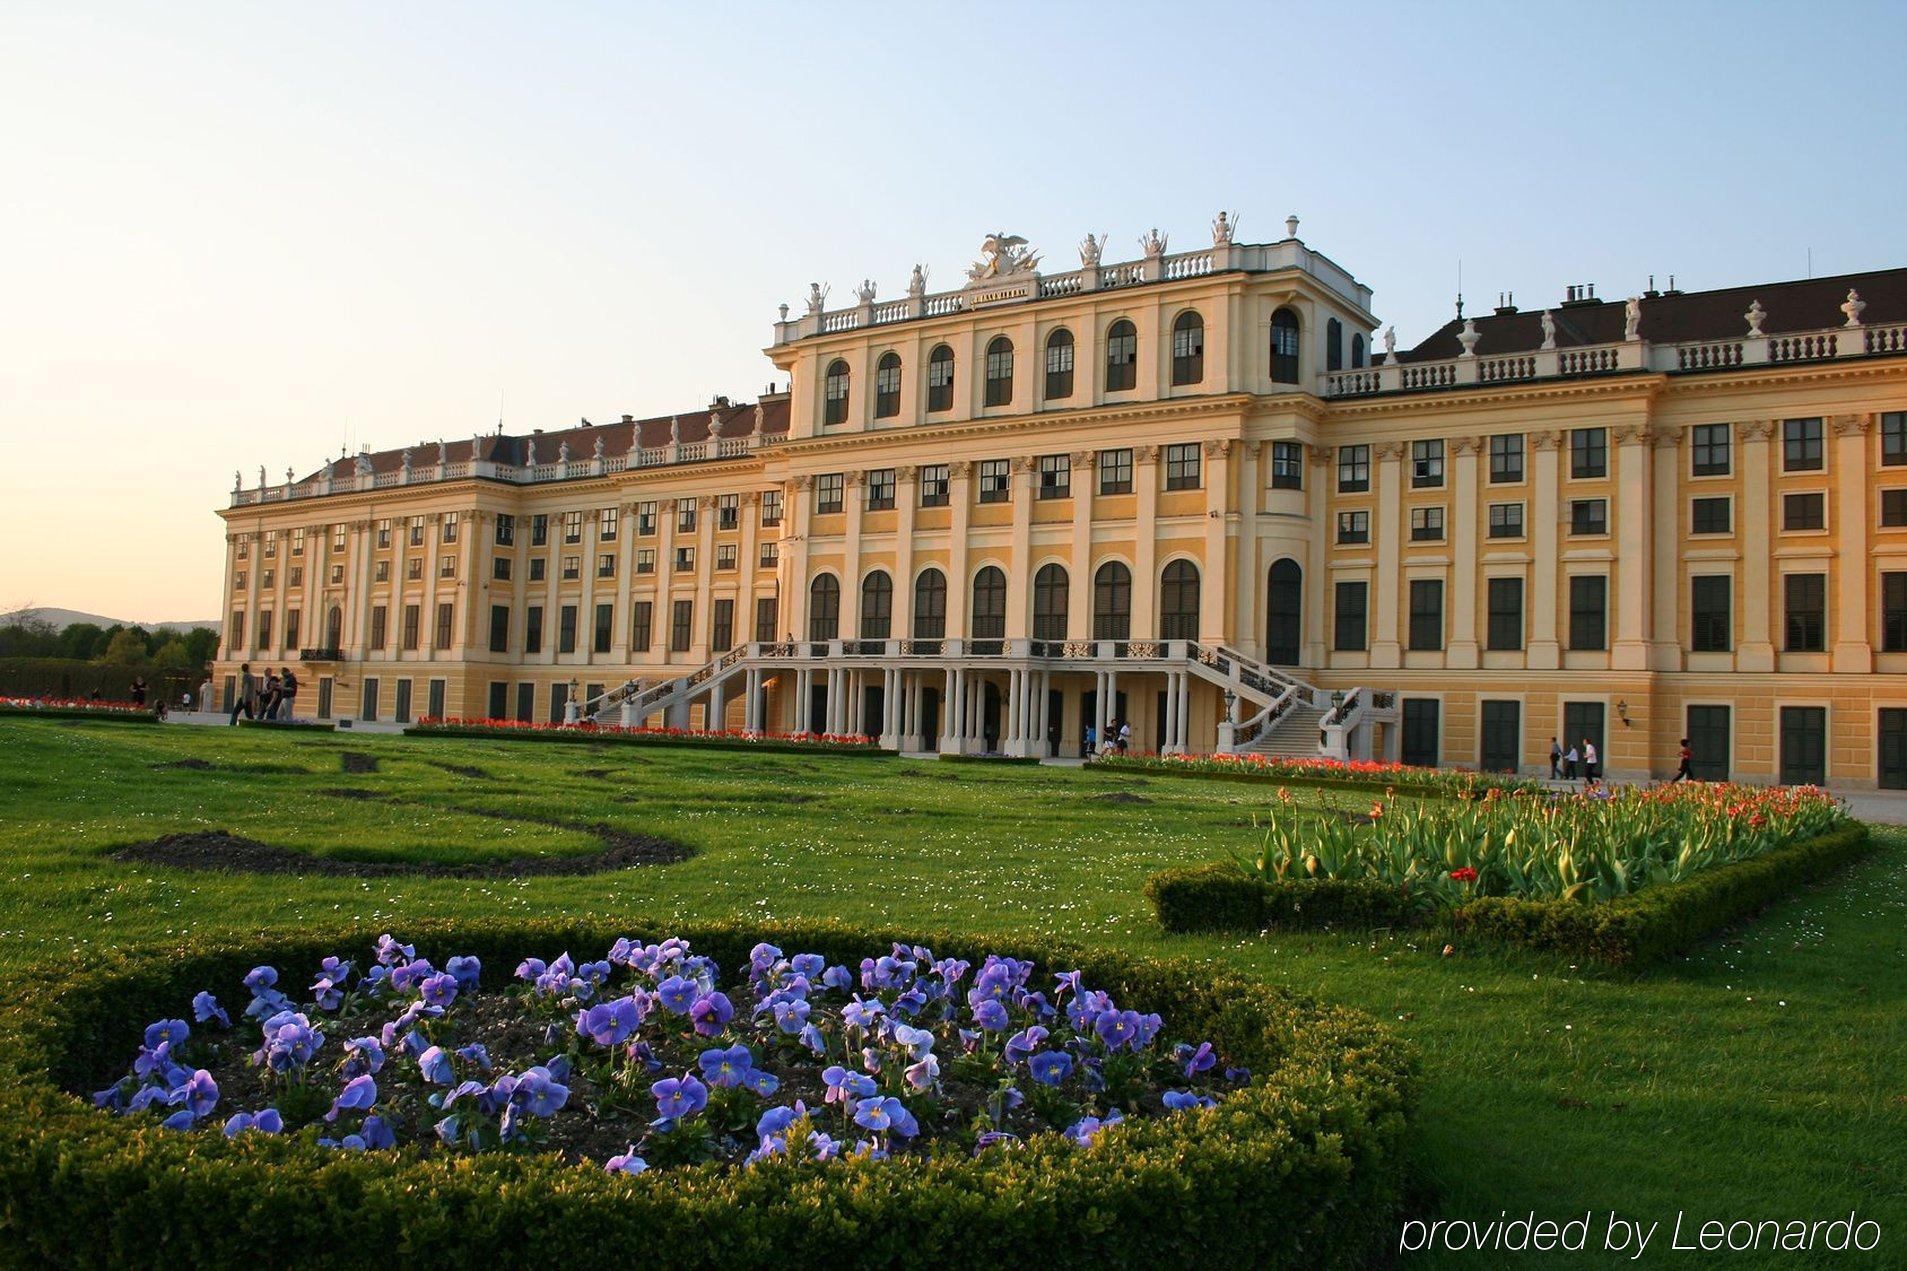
(247, 688)
(288, 693)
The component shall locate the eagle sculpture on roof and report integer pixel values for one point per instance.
(1002, 254)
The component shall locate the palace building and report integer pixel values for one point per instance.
(1197, 492)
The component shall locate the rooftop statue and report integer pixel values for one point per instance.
(1223, 228)
(1632, 318)
(1089, 250)
(917, 282)
(1153, 243)
(1549, 329)
(1001, 255)
(865, 292)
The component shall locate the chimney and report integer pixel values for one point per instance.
(628, 419)
(1505, 303)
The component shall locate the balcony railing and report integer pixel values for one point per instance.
(327, 654)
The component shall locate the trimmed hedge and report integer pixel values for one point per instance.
(1659, 921)
(767, 746)
(1223, 897)
(290, 725)
(1303, 1168)
(1642, 927)
(1021, 759)
(1379, 789)
(76, 712)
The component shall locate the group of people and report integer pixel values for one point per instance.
(273, 698)
(1117, 741)
(1567, 765)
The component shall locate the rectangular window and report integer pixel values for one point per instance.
(1349, 613)
(880, 490)
(264, 628)
(1506, 458)
(641, 621)
(1804, 511)
(645, 560)
(685, 516)
(771, 506)
(499, 628)
(539, 569)
(500, 568)
(722, 637)
(1506, 520)
(1426, 614)
(605, 626)
(1426, 525)
(933, 485)
(1426, 465)
(271, 544)
(684, 559)
(533, 629)
(1059, 366)
(646, 518)
(236, 641)
(830, 492)
(238, 578)
(726, 554)
(382, 531)
(506, 529)
(292, 631)
(445, 618)
(682, 626)
(1588, 516)
(1115, 472)
(1056, 476)
(1893, 447)
(572, 567)
(296, 576)
(994, 479)
(1287, 465)
(1505, 623)
(566, 629)
(1589, 611)
(380, 623)
(1805, 601)
(298, 537)
(416, 531)
(1181, 467)
(1354, 469)
(608, 522)
(1589, 452)
(769, 554)
(1710, 516)
(1711, 613)
(1893, 509)
(413, 620)
(1708, 450)
(267, 577)
(1893, 613)
(1354, 527)
(337, 572)
(450, 527)
(572, 527)
(446, 566)
(765, 619)
(605, 564)
(539, 530)
(728, 511)
(887, 387)
(940, 377)
(1801, 445)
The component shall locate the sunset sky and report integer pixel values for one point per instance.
(259, 234)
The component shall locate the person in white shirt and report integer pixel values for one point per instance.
(1589, 760)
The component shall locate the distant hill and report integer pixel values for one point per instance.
(60, 619)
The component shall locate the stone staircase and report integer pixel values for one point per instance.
(1293, 736)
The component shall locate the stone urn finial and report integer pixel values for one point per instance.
(1852, 307)
(1754, 318)
(1468, 338)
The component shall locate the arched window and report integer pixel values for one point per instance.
(1178, 601)
(887, 386)
(1284, 347)
(940, 372)
(877, 606)
(1112, 602)
(834, 405)
(1284, 603)
(999, 371)
(334, 628)
(1122, 356)
(1049, 603)
(824, 608)
(1188, 348)
(1334, 345)
(1357, 349)
(930, 605)
(988, 619)
(1059, 365)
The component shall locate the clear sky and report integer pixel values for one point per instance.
(234, 235)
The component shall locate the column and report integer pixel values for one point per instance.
(1020, 570)
(854, 504)
(1108, 702)
(1385, 534)
(1545, 654)
(1317, 584)
(1246, 569)
(1756, 652)
(1630, 650)
(960, 502)
(1665, 642)
(1079, 583)
(586, 607)
(625, 580)
(949, 712)
(1462, 653)
(797, 513)
(906, 491)
(1145, 580)
(473, 582)
(1010, 726)
(1185, 710)
(427, 615)
(1852, 651)
(699, 636)
(666, 514)
(1215, 578)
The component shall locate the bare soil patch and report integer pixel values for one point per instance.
(223, 850)
(357, 763)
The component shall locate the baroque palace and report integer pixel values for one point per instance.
(1197, 493)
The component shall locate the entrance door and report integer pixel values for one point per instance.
(434, 699)
(1422, 722)
(990, 718)
(1584, 720)
(559, 699)
(324, 696)
(1708, 742)
(1055, 715)
(525, 703)
(1893, 749)
(930, 719)
(1158, 724)
(403, 712)
(1501, 748)
(1804, 745)
(1284, 603)
(817, 708)
(873, 705)
(499, 699)
(369, 712)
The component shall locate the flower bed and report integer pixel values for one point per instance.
(1354, 773)
(1011, 1142)
(720, 739)
(75, 708)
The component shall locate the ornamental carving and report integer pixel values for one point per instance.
(1466, 445)
(751, 498)
(1317, 454)
(1390, 450)
(1082, 458)
(853, 480)
(1851, 425)
(1665, 438)
(1757, 429)
(1023, 464)
(960, 469)
(1146, 454)
(803, 481)
(1629, 434)
(1218, 447)
(906, 472)
(1001, 255)
(1546, 440)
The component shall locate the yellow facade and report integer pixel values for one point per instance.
(1231, 459)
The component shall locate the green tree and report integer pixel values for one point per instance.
(173, 656)
(83, 640)
(126, 648)
(202, 645)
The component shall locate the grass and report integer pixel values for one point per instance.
(1763, 1076)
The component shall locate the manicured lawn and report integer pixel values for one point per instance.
(1764, 1076)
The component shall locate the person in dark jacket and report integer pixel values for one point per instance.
(247, 690)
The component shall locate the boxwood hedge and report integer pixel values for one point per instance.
(608, 736)
(1305, 1167)
(1223, 897)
